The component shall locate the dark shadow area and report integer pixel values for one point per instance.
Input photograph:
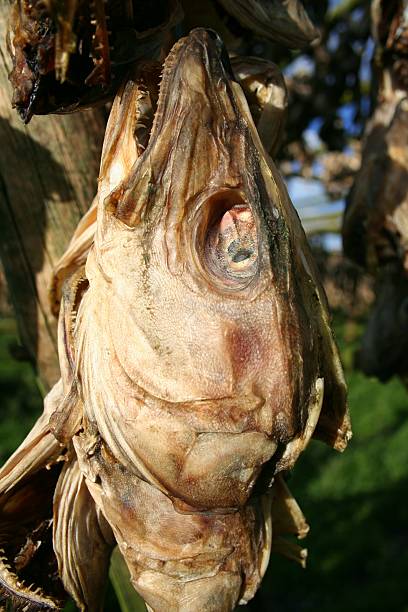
(21, 402)
(29, 176)
(358, 557)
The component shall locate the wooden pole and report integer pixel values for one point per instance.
(48, 175)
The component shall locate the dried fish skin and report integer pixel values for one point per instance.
(138, 93)
(221, 370)
(267, 96)
(196, 354)
(177, 559)
(282, 21)
(82, 539)
(75, 54)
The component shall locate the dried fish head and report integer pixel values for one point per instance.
(202, 259)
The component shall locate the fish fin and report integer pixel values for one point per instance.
(83, 540)
(289, 549)
(74, 257)
(66, 419)
(287, 516)
(287, 520)
(38, 451)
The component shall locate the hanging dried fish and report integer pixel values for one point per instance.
(375, 227)
(69, 55)
(196, 358)
(282, 21)
(267, 96)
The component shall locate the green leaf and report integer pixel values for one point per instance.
(128, 598)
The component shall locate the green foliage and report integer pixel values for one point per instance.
(20, 398)
(129, 600)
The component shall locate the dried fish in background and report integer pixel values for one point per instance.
(283, 21)
(267, 96)
(375, 228)
(196, 357)
(69, 55)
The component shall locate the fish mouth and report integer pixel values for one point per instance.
(197, 64)
(196, 69)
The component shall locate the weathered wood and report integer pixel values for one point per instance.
(48, 175)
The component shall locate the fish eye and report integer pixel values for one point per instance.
(231, 245)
